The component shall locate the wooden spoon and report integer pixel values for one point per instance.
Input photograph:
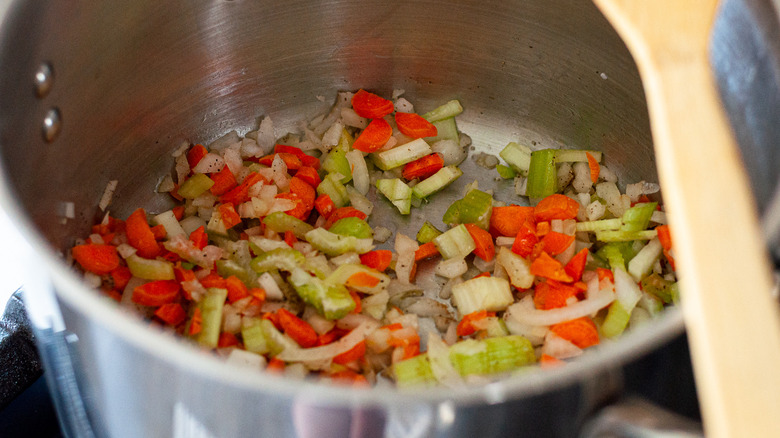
(732, 321)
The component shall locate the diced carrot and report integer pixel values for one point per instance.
(552, 294)
(289, 238)
(362, 279)
(485, 248)
(258, 295)
(376, 134)
(195, 154)
(358, 302)
(351, 355)
(140, 235)
(300, 211)
(507, 221)
(594, 167)
(542, 228)
(547, 267)
(306, 160)
(481, 274)
(156, 293)
(556, 243)
(426, 251)
(370, 105)
(172, 314)
(296, 328)
(526, 239)
(183, 275)
(349, 377)
(576, 265)
(605, 273)
(304, 190)
(196, 322)
(236, 289)
(341, 213)
(331, 336)
(547, 361)
(309, 175)
(240, 193)
(120, 276)
(224, 180)
(213, 280)
(159, 232)
(581, 332)
(227, 340)
(664, 236)
(324, 205)
(392, 327)
(556, 206)
(96, 258)
(466, 325)
(178, 212)
(199, 237)
(275, 365)
(414, 125)
(290, 160)
(378, 259)
(423, 167)
(274, 318)
(229, 215)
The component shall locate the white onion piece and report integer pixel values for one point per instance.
(272, 291)
(210, 162)
(281, 204)
(405, 248)
(351, 118)
(451, 268)
(125, 250)
(265, 134)
(268, 244)
(626, 290)
(525, 313)
(108, 194)
(332, 136)
(360, 176)
(451, 152)
(326, 352)
(381, 234)
(319, 323)
(233, 161)
(559, 348)
(246, 359)
(353, 320)
(441, 366)
(281, 178)
(359, 201)
(427, 307)
(182, 168)
(535, 334)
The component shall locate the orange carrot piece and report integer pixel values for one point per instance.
(358, 302)
(349, 377)
(240, 193)
(296, 328)
(594, 167)
(556, 206)
(236, 289)
(120, 276)
(605, 273)
(289, 238)
(581, 332)
(370, 105)
(99, 259)
(483, 241)
(156, 293)
(376, 134)
(556, 243)
(196, 322)
(224, 180)
(576, 265)
(229, 215)
(172, 314)
(414, 125)
(547, 267)
(290, 160)
(466, 325)
(542, 228)
(300, 211)
(140, 235)
(304, 191)
(213, 280)
(331, 336)
(341, 213)
(159, 232)
(306, 160)
(178, 212)
(552, 294)
(275, 365)
(481, 274)
(526, 239)
(227, 340)
(507, 221)
(426, 251)
(351, 355)
(199, 237)
(423, 167)
(664, 236)
(378, 259)
(547, 361)
(309, 175)
(324, 205)
(195, 154)
(362, 279)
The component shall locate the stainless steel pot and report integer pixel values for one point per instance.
(99, 91)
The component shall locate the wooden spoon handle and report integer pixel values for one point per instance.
(732, 321)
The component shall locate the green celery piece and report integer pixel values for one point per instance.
(600, 225)
(276, 340)
(332, 301)
(542, 174)
(446, 111)
(195, 186)
(616, 321)
(345, 141)
(496, 327)
(674, 292)
(226, 268)
(336, 162)
(280, 222)
(637, 217)
(658, 286)
(617, 254)
(518, 157)
(575, 155)
(149, 269)
(455, 242)
(505, 172)
(253, 336)
(397, 192)
(482, 293)
(352, 226)
(475, 208)
(333, 244)
(625, 236)
(446, 129)
(427, 233)
(211, 316)
(403, 154)
(491, 355)
(414, 372)
(318, 265)
(286, 259)
(331, 185)
(439, 180)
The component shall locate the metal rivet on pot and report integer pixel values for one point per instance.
(52, 124)
(44, 78)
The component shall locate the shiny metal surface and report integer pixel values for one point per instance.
(135, 81)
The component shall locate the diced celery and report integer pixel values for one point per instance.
(280, 222)
(226, 268)
(286, 259)
(615, 322)
(505, 172)
(149, 269)
(168, 220)
(427, 232)
(616, 254)
(400, 155)
(216, 225)
(332, 301)
(658, 286)
(518, 157)
(475, 208)
(542, 174)
(333, 244)
(331, 185)
(211, 316)
(397, 192)
(455, 243)
(600, 225)
(637, 217)
(517, 267)
(345, 141)
(318, 265)
(674, 292)
(446, 129)
(253, 336)
(195, 186)
(439, 180)
(352, 226)
(494, 327)
(276, 340)
(342, 274)
(336, 162)
(643, 262)
(625, 236)
(414, 372)
(482, 293)
(574, 155)
(491, 355)
(446, 111)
